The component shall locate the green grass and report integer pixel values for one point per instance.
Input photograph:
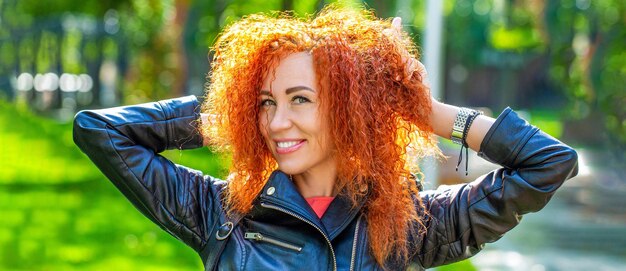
(465, 265)
(88, 228)
(36, 150)
(58, 212)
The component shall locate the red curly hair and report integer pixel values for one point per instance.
(378, 115)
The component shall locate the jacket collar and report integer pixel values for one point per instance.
(340, 214)
(281, 191)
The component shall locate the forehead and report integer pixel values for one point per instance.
(295, 69)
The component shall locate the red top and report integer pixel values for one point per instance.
(319, 204)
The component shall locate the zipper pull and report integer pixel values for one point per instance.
(254, 236)
(260, 238)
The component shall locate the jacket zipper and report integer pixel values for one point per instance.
(330, 245)
(354, 241)
(264, 238)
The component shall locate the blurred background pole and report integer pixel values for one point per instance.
(432, 59)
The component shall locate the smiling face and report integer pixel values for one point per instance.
(291, 119)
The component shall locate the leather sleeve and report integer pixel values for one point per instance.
(124, 143)
(462, 218)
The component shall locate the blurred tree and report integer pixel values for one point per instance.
(571, 47)
(149, 26)
(44, 35)
(586, 45)
(383, 8)
(205, 20)
(137, 34)
(180, 18)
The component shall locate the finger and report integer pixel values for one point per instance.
(421, 69)
(396, 23)
(412, 66)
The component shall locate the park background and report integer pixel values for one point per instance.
(561, 63)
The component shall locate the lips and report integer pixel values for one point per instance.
(288, 146)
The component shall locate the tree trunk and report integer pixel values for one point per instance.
(181, 73)
(287, 5)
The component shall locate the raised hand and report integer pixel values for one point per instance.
(412, 64)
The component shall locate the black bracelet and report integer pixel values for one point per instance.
(468, 123)
(464, 144)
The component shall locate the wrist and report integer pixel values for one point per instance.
(442, 118)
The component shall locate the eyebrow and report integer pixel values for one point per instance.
(288, 90)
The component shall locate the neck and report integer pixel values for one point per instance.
(317, 182)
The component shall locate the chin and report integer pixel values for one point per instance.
(290, 169)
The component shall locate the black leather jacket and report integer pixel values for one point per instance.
(282, 232)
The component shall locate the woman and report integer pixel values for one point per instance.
(325, 119)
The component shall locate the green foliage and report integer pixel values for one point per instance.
(513, 39)
(71, 61)
(43, 8)
(580, 41)
(548, 121)
(588, 52)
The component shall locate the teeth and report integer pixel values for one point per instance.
(287, 144)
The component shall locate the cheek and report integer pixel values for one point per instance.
(324, 137)
(327, 142)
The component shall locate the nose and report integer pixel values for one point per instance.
(280, 120)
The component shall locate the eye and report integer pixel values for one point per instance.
(300, 100)
(267, 102)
